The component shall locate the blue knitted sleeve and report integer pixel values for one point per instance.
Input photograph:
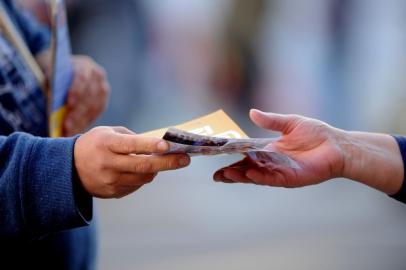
(39, 189)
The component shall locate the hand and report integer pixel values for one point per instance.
(311, 143)
(113, 162)
(87, 97)
(322, 152)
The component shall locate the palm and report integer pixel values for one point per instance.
(311, 145)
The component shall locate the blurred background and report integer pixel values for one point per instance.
(170, 61)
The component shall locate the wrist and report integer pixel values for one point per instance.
(373, 160)
(352, 155)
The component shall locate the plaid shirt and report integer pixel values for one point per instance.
(22, 103)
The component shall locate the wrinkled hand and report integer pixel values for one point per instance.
(314, 145)
(87, 97)
(113, 162)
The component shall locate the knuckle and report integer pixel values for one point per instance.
(145, 145)
(99, 70)
(105, 89)
(123, 146)
(120, 127)
(104, 163)
(168, 163)
(173, 163)
(80, 78)
(99, 142)
(103, 141)
(143, 167)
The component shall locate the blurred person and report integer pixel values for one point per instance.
(236, 70)
(47, 185)
(324, 152)
(375, 62)
(126, 25)
(293, 51)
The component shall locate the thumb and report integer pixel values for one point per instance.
(123, 130)
(277, 122)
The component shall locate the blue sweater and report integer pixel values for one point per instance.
(40, 196)
(39, 192)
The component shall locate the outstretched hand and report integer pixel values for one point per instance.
(314, 145)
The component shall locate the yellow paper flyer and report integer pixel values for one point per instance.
(216, 124)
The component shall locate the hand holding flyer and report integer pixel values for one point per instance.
(217, 134)
(184, 142)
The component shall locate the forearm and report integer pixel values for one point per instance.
(374, 160)
(37, 187)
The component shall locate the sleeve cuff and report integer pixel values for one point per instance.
(401, 195)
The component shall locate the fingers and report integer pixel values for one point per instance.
(234, 173)
(136, 180)
(237, 175)
(128, 183)
(259, 176)
(266, 178)
(250, 176)
(88, 95)
(136, 144)
(150, 164)
(277, 122)
(219, 177)
(75, 121)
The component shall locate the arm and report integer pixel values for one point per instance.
(374, 160)
(37, 186)
(323, 152)
(46, 184)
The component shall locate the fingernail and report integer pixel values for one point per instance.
(163, 146)
(184, 161)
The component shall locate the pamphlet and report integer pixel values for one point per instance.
(216, 124)
(256, 149)
(216, 134)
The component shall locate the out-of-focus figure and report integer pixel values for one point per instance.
(236, 70)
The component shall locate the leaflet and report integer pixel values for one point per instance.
(216, 124)
(216, 134)
(256, 149)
